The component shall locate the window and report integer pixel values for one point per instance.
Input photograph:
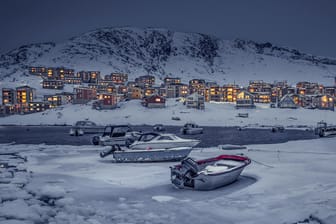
(165, 138)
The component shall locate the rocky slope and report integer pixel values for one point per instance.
(162, 52)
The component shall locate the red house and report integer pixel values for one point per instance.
(106, 101)
(154, 101)
(84, 95)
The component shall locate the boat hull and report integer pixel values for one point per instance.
(87, 130)
(193, 131)
(154, 155)
(163, 145)
(208, 174)
(210, 182)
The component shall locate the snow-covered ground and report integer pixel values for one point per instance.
(215, 114)
(290, 182)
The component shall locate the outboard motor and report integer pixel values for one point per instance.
(95, 140)
(110, 151)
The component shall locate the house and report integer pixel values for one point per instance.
(331, 90)
(262, 97)
(324, 102)
(196, 101)
(245, 100)
(52, 84)
(122, 90)
(308, 88)
(135, 93)
(60, 73)
(59, 99)
(117, 78)
(106, 101)
(104, 82)
(197, 86)
(73, 81)
(216, 94)
(259, 86)
(53, 100)
(171, 80)
(25, 94)
(7, 110)
(145, 80)
(8, 96)
(230, 92)
(154, 101)
(287, 101)
(34, 107)
(39, 71)
(97, 87)
(175, 90)
(89, 76)
(84, 95)
(148, 91)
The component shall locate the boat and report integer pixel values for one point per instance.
(153, 140)
(85, 127)
(273, 128)
(119, 134)
(232, 147)
(191, 129)
(324, 130)
(243, 115)
(146, 155)
(208, 174)
(159, 127)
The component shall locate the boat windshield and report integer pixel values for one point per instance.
(107, 130)
(120, 131)
(147, 137)
(162, 138)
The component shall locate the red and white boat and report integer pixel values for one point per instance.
(208, 174)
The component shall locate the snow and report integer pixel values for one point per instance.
(285, 183)
(215, 114)
(162, 198)
(54, 192)
(18, 209)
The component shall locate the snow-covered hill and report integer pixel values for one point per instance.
(162, 52)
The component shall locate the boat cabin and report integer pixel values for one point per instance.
(116, 131)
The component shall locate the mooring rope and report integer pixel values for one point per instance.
(260, 163)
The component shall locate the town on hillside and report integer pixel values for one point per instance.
(105, 92)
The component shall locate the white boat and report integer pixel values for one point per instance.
(120, 134)
(146, 155)
(85, 127)
(191, 129)
(208, 174)
(162, 141)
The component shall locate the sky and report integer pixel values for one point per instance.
(306, 25)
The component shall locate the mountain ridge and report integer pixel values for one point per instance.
(162, 52)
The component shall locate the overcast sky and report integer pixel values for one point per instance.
(306, 25)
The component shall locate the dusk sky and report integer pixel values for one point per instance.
(306, 25)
